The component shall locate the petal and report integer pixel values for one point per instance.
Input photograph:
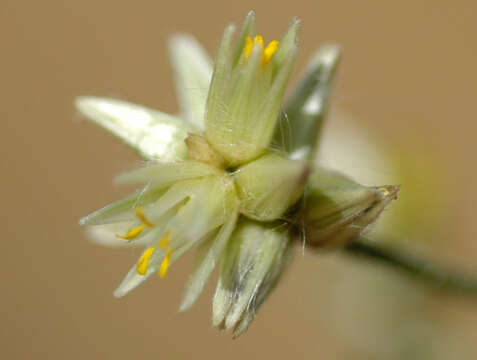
(193, 72)
(306, 109)
(288, 41)
(220, 79)
(133, 279)
(166, 173)
(207, 263)
(121, 209)
(153, 134)
(248, 29)
(106, 235)
(254, 260)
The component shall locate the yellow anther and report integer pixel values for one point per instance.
(258, 39)
(269, 51)
(142, 217)
(165, 264)
(247, 49)
(141, 267)
(133, 233)
(164, 241)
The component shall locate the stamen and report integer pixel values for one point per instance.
(269, 51)
(133, 233)
(247, 49)
(142, 217)
(258, 39)
(165, 264)
(141, 267)
(165, 240)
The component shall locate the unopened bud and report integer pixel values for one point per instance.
(246, 92)
(255, 258)
(336, 209)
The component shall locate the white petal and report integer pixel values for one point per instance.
(134, 279)
(106, 235)
(193, 72)
(121, 210)
(166, 173)
(205, 267)
(153, 134)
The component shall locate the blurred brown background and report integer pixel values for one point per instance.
(408, 76)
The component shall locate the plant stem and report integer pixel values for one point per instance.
(422, 270)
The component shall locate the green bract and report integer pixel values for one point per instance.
(215, 181)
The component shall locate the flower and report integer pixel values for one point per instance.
(220, 178)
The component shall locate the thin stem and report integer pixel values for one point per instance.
(422, 270)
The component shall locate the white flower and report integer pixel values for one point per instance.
(219, 177)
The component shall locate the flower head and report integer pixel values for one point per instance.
(212, 180)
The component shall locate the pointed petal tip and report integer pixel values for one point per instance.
(188, 300)
(328, 55)
(295, 26)
(85, 101)
(389, 191)
(184, 307)
(81, 102)
(118, 294)
(180, 39)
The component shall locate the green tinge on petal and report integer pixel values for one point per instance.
(254, 260)
(306, 109)
(155, 135)
(166, 173)
(193, 72)
(231, 135)
(288, 41)
(121, 210)
(206, 263)
(220, 78)
(268, 113)
(247, 123)
(248, 29)
(269, 186)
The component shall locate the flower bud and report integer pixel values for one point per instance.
(246, 92)
(255, 258)
(336, 209)
(269, 186)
